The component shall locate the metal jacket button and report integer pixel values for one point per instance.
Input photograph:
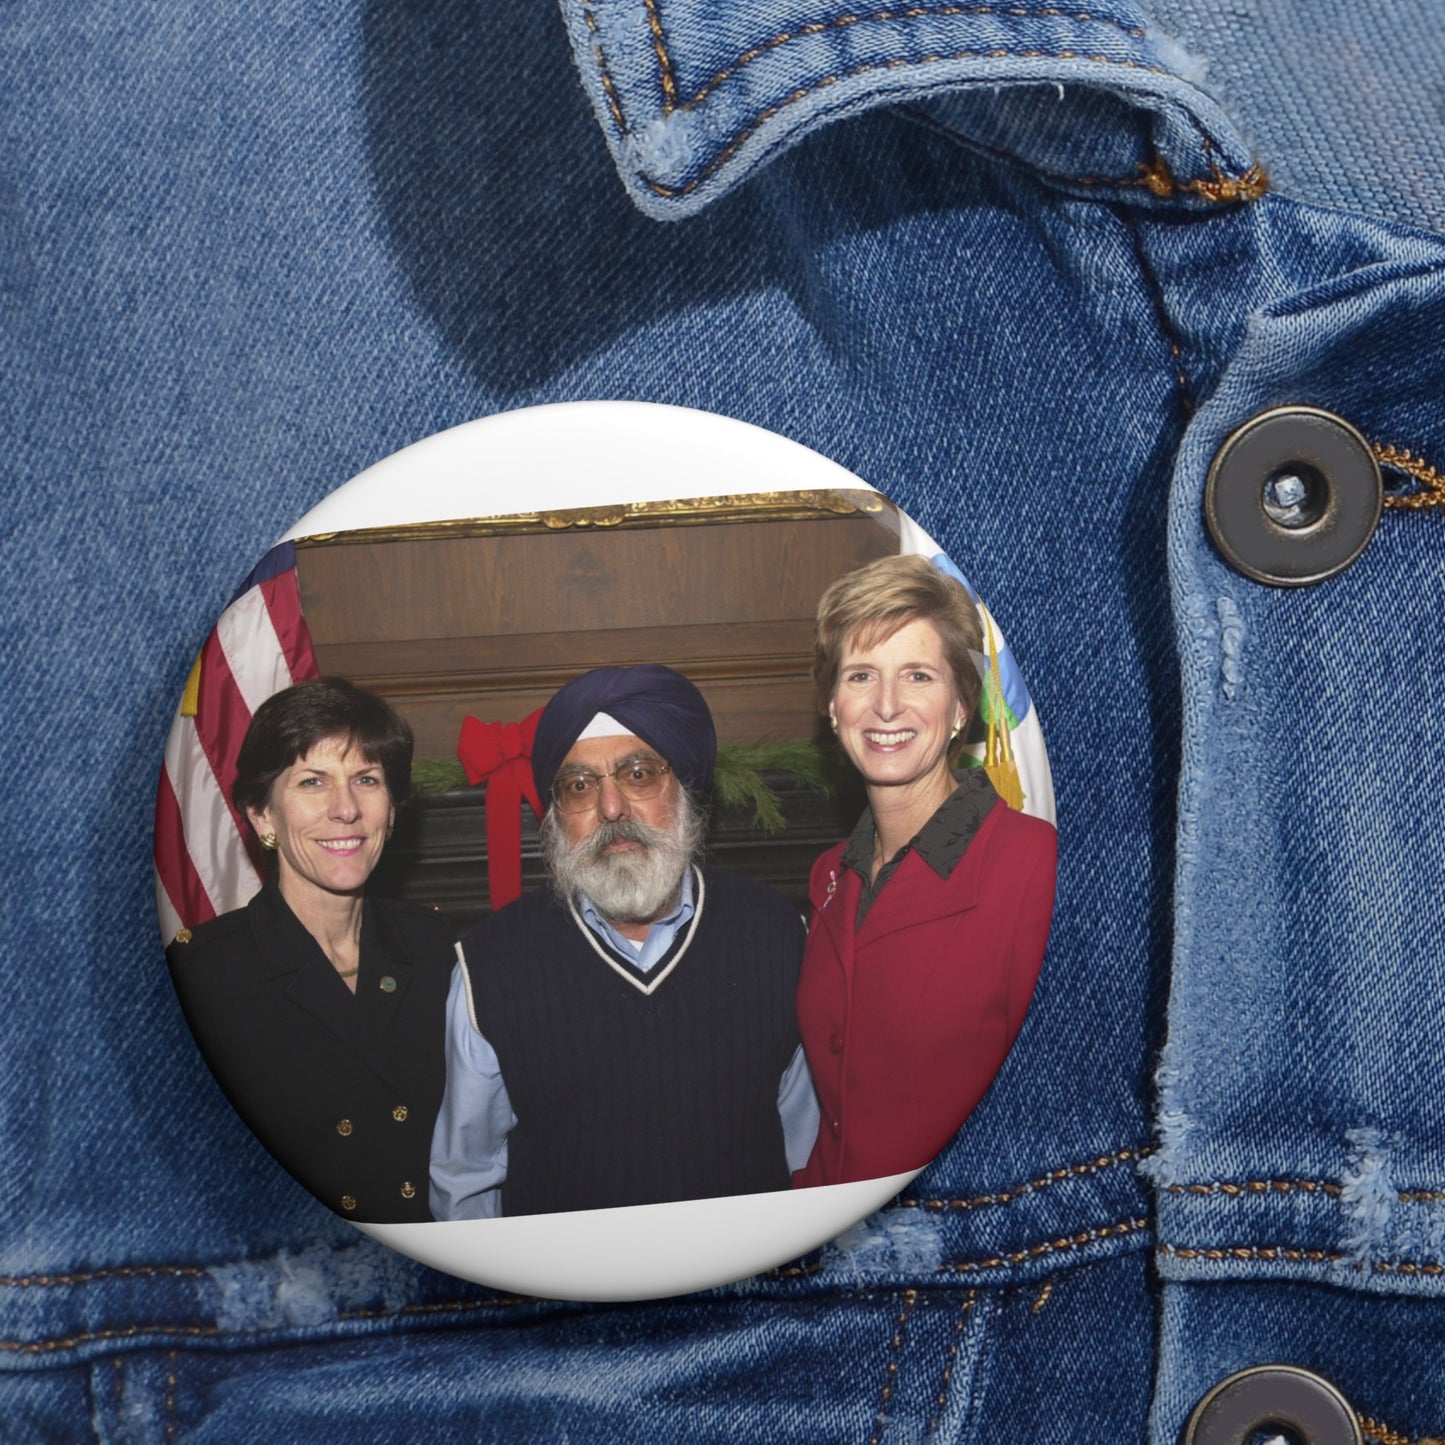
(1274, 1399)
(1293, 496)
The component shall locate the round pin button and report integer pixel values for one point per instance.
(1293, 496)
(1277, 1399)
(522, 664)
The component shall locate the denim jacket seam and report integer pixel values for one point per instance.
(887, 16)
(215, 1331)
(1217, 188)
(950, 1360)
(1296, 1254)
(1084, 1237)
(1154, 175)
(890, 1375)
(1018, 1191)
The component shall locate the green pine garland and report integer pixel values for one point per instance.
(738, 780)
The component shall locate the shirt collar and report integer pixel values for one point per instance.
(660, 935)
(941, 842)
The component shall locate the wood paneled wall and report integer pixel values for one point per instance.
(492, 624)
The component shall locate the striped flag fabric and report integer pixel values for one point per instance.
(207, 859)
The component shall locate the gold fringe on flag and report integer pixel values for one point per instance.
(191, 692)
(998, 756)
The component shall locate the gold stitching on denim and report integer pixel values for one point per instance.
(613, 101)
(843, 22)
(664, 60)
(793, 1271)
(1218, 189)
(1258, 1186)
(441, 1307)
(1296, 1255)
(1237, 1189)
(1054, 1176)
(1254, 1251)
(128, 1271)
(1146, 173)
(761, 119)
(1156, 175)
(1386, 1436)
(1416, 467)
(1053, 1246)
(130, 1332)
(910, 1298)
(951, 1360)
(171, 1396)
(1043, 1298)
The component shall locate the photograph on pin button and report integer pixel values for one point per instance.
(525, 864)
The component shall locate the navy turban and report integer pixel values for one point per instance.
(655, 703)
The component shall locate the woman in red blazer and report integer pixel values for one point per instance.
(929, 922)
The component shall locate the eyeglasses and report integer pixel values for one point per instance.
(637, 780)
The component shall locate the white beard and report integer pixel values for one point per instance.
(634, 886)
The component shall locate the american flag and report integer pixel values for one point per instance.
(206, 855)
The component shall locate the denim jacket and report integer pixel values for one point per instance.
(1023, 268)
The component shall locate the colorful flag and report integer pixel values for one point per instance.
(206, 855)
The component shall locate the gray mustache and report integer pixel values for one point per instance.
(619, 830)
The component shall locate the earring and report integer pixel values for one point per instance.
(957, 728)
(834, 722)
(268, 842)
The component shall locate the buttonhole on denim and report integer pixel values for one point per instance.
(1414, 483)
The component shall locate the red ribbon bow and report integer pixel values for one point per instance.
(500, 755)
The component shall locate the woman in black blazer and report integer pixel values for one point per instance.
(320, 1010)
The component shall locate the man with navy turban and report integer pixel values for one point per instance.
(628, 1034)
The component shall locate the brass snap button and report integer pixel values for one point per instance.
(1281, 1399)
(399, 1113)
(348, 1202)
(1293, 496)
(344, 1127)
(408, 1189)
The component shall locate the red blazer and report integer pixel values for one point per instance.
(906, 1020)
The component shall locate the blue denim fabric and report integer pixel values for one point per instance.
(248, 252)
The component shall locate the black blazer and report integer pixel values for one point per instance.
(343, 1089)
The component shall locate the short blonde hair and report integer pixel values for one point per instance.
(872, 603)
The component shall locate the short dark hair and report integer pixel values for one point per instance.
(292, 722)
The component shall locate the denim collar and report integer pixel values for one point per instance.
(694, 96)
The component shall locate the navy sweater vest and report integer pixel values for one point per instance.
(623, 1097)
